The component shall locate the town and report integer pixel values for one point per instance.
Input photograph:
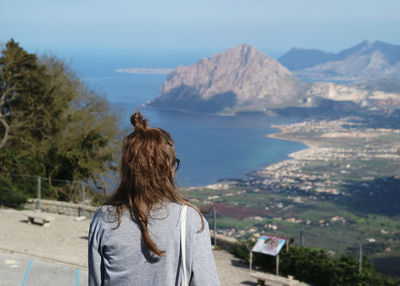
(315, 191)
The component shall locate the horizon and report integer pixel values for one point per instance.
(86, 62)
(187, 30)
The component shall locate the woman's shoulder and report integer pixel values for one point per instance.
(177, 207)
(105, 214)
(193, 216)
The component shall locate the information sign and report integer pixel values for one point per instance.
(269, 245)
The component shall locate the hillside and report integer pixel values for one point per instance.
(381, 95)
(363, 62)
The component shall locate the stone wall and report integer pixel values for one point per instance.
(64, 208)
(73, 209)
(223, 241)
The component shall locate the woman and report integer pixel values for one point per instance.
(135, 238)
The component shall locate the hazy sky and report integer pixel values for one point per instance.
(274, 26)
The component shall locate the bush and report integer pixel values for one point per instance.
(314, 266)
(241, 249)
(9, 195)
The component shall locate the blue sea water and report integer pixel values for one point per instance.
(210, 147)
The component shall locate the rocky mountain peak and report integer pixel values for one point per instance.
(243, 48)
(241, 76)
(241, 56)
(243, 51)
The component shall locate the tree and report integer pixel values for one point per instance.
(52, 124)
(88, 139)
(22, 83)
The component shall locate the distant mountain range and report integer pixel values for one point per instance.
(243, 79)
(363, 62)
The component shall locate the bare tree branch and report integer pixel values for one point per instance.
(6, 132)
(2, 116)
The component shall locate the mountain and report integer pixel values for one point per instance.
(243, 79)
(299, 58)
(363, 62)
(239, 79)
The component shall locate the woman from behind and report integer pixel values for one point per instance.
(141, 235)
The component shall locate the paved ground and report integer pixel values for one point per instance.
(55, 255)
(23, 270)
(17, 269)
(65, 240)
(231, 271)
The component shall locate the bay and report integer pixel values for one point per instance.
(210, 147)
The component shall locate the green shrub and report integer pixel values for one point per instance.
(241, 249)
(9, 195)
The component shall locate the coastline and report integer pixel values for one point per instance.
(281, 136)
(291, 157)
(346, 151)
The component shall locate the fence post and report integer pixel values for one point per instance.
(215, 224)
(360, 261)
(39, 192)
(83, 200)
(301, 239)
(251, 260)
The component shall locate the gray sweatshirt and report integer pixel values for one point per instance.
(119, 257)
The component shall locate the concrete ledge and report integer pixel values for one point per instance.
(58, 207)
(225, 242)
(274, 280)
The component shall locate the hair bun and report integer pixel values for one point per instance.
(138, 121)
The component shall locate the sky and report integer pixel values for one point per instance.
(196, 27)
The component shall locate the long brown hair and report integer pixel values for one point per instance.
(147, 176)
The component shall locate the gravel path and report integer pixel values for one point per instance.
(64, 243)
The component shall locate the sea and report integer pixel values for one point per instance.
(210, 147)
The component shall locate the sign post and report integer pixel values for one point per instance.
(277, 265)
